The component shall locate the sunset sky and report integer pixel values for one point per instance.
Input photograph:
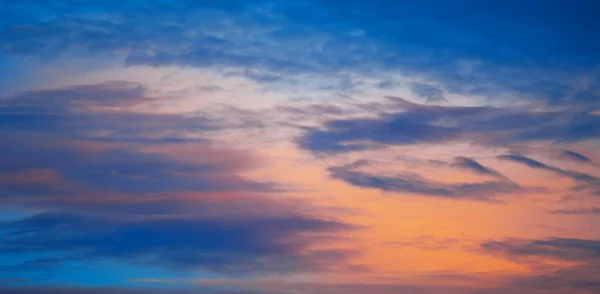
(299, 147)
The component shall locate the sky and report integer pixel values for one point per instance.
(299, 147)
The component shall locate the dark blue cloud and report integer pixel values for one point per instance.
(219, 243)
(529, 162)
(587, 182)
(572, 155)
(419, 124)
(427, 124)
(415, 184)
(571, 249)
(474, 166)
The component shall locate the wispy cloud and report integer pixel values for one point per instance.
(582, 250)
(423, 124)
(474, 166)
(572, 155)
(414, 184)
(587, 182)
(580, 211)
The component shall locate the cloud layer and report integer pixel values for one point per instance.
(169, 201)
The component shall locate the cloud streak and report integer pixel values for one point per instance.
(581, 211)
(570, 249)
(424, 124)
(474, 166)
(415, 184)
(572, 155)
(587, 182)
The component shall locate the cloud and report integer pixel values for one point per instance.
(429, 92)
(108, 94)
(123, 168)
(581, 211)
(586, 181)
(415, 184)
(241, 245)
(69, 132)
(569, 249)
(96, 183)
(427, 124)
(577, 279)
(475, 167)
(572, 155)
(530, 162)
(100, 112)
(418, 124)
